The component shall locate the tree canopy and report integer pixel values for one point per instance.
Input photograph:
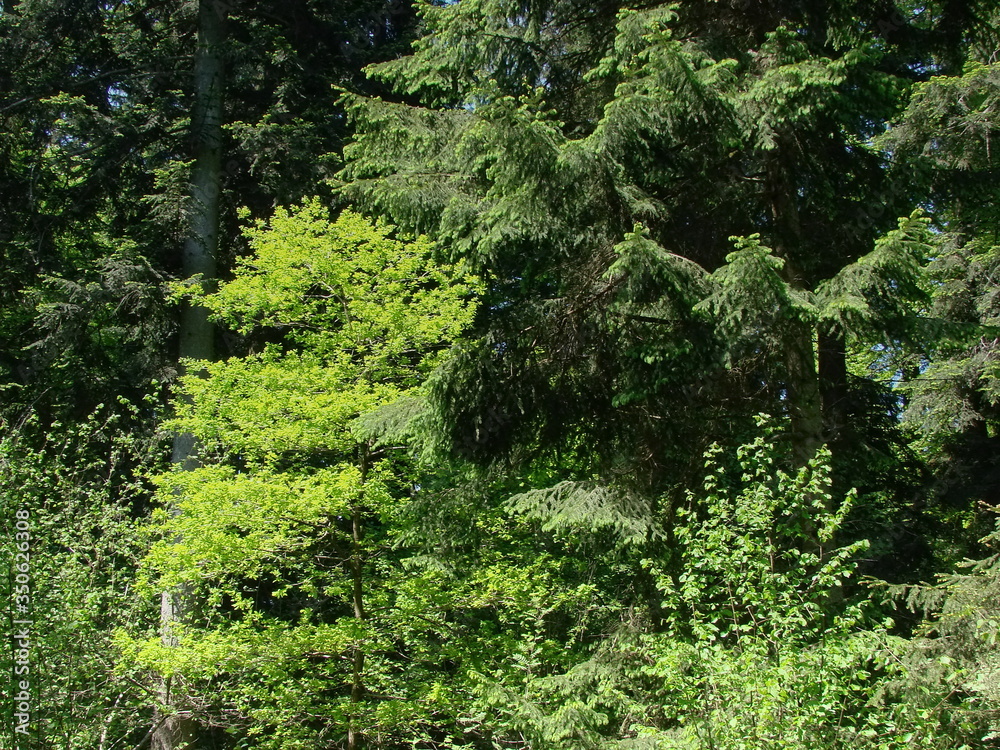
(490, 373)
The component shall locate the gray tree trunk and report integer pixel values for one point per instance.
(177, 729)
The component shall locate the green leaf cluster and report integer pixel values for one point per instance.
(280, 539)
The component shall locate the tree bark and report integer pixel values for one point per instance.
(202, 243)
(178, 729)
(802, 387)
(805, 408)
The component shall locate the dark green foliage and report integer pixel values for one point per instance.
(96, 154)
(957, 644)
(943, 139)
(589, 322)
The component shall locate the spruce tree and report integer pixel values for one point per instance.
(673, 208)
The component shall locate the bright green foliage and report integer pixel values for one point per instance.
(347, 292)
(281, 540)
(239, 526)
(748, 563)
(366, 316)
(758, 648)
(73, 494)
(269, 405)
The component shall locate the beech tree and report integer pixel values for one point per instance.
(279, 528)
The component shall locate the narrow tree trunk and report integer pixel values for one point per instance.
(178, 730)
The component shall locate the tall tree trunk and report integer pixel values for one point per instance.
(202, 244)
(805, 405)
(178, 730)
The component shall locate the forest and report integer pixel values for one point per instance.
(500, 374)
